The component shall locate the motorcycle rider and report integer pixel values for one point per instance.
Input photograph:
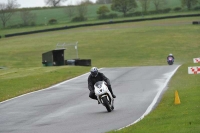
(94, 77)
(170, 55)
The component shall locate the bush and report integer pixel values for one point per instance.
(102, 17)
(134, 14)
(129, 15)
(103, 10)
(177, 9)
(197, 8)
(153, 12)
(79, 19)
(32, 24)
(17, 26)
(109, 16)
(137, 13)
(159, 11)
(52, 21)
(22, 25)
(167, 10)
(112, 15)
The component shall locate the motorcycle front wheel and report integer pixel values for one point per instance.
(106, 104)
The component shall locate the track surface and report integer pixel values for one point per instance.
(66, 107)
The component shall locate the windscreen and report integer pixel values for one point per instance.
(99, 83)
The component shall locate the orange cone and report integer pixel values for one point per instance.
(177, 99)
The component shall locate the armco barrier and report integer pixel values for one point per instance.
(100, 23)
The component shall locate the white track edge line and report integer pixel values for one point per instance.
(46, 88)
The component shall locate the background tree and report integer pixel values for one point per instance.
(145, 4)
(103, 10)
(82, 8)
(189, 3)
(27, 17)
(70, 11)
(123, 5)
(7, 10)
(88, 2)
(159, 4)
(104, 1)
(54, 3)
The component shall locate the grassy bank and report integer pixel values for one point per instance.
(18, 81)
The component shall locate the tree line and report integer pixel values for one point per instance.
(8, 9)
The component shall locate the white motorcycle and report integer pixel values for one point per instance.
(103, 95)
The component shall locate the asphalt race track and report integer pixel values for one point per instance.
(66, 107)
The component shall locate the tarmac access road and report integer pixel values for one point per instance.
(66, 107)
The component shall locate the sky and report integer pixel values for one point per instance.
(41, 3)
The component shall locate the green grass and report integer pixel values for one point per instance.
(129, 44)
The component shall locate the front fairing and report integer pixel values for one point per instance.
(170, 58)
(100, 88)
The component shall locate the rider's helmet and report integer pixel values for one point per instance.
(170, 54)
(94, 71)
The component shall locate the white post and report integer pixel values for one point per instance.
(76, 47)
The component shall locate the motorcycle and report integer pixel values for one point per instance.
(170, 60)
(103, 95)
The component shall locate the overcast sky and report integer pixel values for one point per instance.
(40, 3)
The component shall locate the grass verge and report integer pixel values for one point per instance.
(15, 82)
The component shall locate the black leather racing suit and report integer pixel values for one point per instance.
(92, 80)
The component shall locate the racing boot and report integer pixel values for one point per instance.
(113, 96)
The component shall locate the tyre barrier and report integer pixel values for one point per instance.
(83, 62)
(78, 62)
(196, 22)
(70, 62)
